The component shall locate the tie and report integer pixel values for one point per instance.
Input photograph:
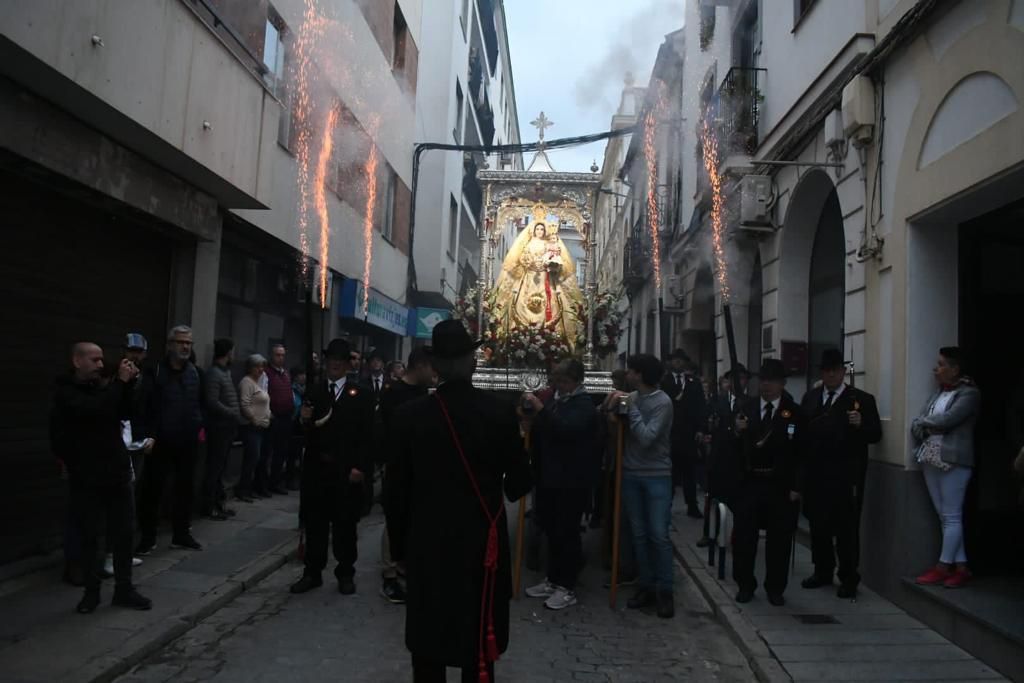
(334, 392)
(831, 397)
(767, 413)
(679, 382)
(376, 384)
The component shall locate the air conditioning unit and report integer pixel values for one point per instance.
(859, 110)
(755, 202)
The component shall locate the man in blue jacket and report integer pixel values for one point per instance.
(566, 437)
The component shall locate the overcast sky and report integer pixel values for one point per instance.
(569, 58)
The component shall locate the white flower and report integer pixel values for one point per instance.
(540, 355)
(520, 354)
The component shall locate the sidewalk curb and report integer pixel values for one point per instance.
(151, 639)
(744, 635)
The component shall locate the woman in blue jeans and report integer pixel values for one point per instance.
(647, 483)
(944, 435)
(255, 405)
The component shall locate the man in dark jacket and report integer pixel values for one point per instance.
(456, 452)
(86, 434)
(724, 470)
(223, 418)
(566, 437)
(769, 429)
(337, 417)
(688, 413)
(173, 421)
(841, 422)
(278, 437)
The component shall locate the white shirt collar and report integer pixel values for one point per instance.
(775, 405)
(338, 384)
(839, 392)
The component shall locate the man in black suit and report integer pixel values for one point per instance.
(456, 452)
(722, 466)
(688, 412)
(338, 418)
(841, 422)
(769, 430)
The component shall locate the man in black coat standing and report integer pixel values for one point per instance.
(567, 440)
(841, 422)
(456, 452)
(769, 430)
(338, 418)
(688, 413)
(85, 432)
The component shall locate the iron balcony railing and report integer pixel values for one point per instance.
(739, 106)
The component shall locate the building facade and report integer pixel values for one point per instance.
(152, 156)
(467, 97)
(871, 157)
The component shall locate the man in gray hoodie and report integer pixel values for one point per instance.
(647, 482)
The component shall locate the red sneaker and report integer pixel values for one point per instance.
(934, 576)
(958, 579)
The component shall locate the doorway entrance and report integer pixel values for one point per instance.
(827, 297)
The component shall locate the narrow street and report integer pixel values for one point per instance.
(267, 634)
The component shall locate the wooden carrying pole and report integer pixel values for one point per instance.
(617, 513)
(520, 533)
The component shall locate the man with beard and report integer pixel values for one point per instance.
(456, 451)
(337, 417)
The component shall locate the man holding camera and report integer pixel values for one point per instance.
(86, 434)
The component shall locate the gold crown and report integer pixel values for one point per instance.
(540, 213)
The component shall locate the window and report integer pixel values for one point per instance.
(707, 25)
(457, 131)
(387, 227)
(400, 32)
(453, 227)
(800, 10)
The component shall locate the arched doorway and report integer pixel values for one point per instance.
(826, 288)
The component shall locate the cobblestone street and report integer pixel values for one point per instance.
(268, 634)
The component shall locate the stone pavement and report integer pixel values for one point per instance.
(818, 637)
(42, 638)
(269, 635)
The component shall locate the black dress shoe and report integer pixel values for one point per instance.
(279, 490)
(694, 512)
(393, 592)
(226, 511)
(346, 586)
(129, 597)
(666, 605)
(215, 515)
(642, 598)
(88, 603)
(703, 542)
(847, 591)
(306, 583)
(744, 597)
(815, 581)
(776, 599)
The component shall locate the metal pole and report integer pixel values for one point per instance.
(617, 514)
(730, 338)
(520, 533)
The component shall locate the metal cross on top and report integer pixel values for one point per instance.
(540, 123)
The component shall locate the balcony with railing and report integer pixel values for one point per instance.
(636, 263)
(739, 109)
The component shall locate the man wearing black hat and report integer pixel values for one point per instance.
(688, 411)
(769, 430)
(455, 453)
(724, 472)
(841, 422)
(338, 417)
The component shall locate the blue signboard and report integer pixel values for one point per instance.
(422, 321)
(381, 311)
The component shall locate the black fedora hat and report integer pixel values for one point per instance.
(338, 348)
(740, 369)
(772, 369)
(831, 358)
(451, 340)
(679, 353)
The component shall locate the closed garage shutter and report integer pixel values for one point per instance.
(68, 272)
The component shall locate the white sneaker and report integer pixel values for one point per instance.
(108, 564)
(561, 599)
(136, 561)
(542, 590)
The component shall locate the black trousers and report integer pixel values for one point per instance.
(834, 514)
(219, 438)
(179, 461)
(428, 671)
(684, 467)
(762, 506)
(560, 513)
(278, 439)
(331, 509)
(110, 507)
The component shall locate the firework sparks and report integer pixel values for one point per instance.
(709, 146)
(320, 199)
(651, 155)
(302, 70)
(370, 171)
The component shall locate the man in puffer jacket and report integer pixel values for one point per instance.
(85, 432)
(223, 417)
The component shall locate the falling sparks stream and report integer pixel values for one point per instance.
(320, 197)
(651, 155)
(370, 171)
(709, 146)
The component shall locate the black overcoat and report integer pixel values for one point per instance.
(435, 521)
